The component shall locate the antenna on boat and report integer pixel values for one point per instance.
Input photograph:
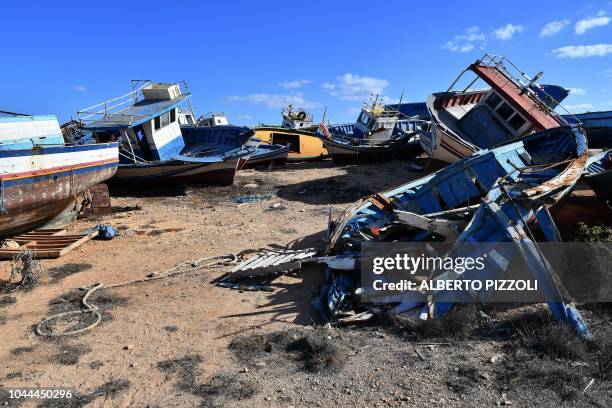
(400, 101)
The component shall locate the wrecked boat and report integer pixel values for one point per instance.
(379, 134)
(297, 133)
(465, 121)
(598, 127)
(495, 195)
(155, 148)
(598, 175)
(265, 154)
(41, 174)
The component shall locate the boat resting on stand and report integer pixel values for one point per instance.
(297, 133)
(154, 148)
(41, 175)
(466, 121)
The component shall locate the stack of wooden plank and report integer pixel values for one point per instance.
(45, 243)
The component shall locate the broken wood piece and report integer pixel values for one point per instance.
(439, 226)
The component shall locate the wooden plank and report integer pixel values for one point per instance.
(51, 243)
(78, 243)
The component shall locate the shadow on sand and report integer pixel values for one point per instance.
(290, 302)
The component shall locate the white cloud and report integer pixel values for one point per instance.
(467, 41)
(244, 117)
(274, 100)
(507, 32)
(577, 91)
(581, 107)
(296, 83)
(79, 88)
(583, 51)
(586, 24)
(553, 27)
(349, 87)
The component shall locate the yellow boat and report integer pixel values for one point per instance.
(296, 132)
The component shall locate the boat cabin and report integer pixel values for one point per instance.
(19, 131)
(144, 121)
(376, 122)
(296, 119)
(509, 108)
(214, 119)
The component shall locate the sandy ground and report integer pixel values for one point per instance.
(147, 326)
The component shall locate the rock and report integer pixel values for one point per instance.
(128, 347)
(260, 364)
(251, 185)
(496, 358)
(244, 370)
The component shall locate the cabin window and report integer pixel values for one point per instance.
(189, 119)
(516, 122)
(165, 119)
(493, 100)
(505, 111)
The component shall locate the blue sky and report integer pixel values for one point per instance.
(248, 58)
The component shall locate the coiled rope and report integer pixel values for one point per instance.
(183, 267)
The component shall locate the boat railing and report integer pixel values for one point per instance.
(122, 105)
(516, 76)
(521, 80)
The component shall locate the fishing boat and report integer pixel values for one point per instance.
(598, 175)
(497, 195)
(598, 126)
(41, 175)
(552, 95)
(379, 134)
(465, 121)
(297, 132)
(265, 153)
(155, 148)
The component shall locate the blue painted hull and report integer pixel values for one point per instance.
(500, 193)
(598, 175)
(598, 126)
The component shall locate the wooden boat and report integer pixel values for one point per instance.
(264, 154)
(155, 148)
(598, 126)
(496, 195)
(466, 121)
(41, 175)
(378, 135)
(297, 132)
(598, 175)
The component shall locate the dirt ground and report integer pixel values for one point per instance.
(167, 342)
